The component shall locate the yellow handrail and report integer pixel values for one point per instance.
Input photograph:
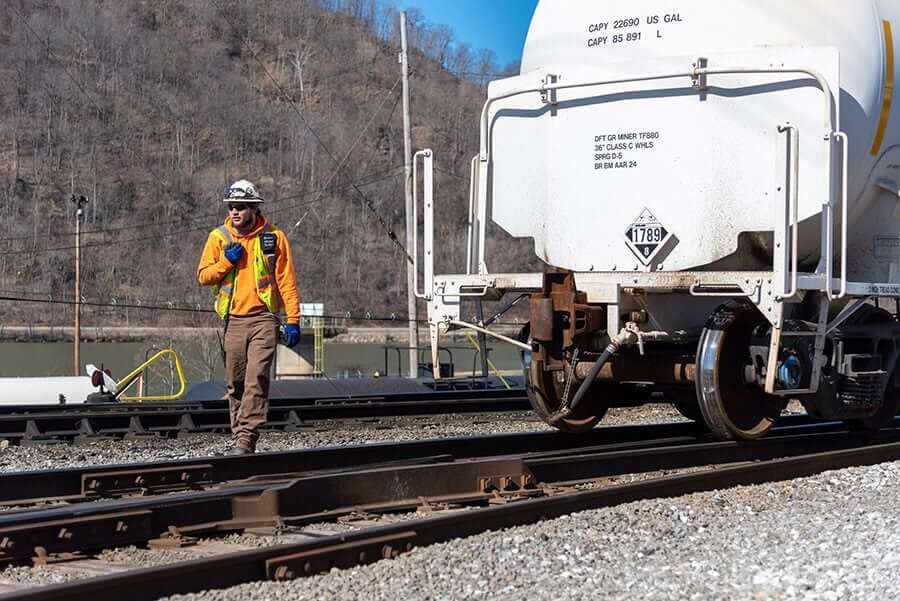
(126, 382)
(490, 363)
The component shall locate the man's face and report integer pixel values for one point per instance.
(242, 214)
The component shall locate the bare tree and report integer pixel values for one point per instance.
(149, 109)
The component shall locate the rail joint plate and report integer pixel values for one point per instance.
(164, 479)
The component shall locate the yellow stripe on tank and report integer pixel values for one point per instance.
(888, 88)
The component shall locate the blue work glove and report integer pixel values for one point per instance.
(290, 334)
(234, 252)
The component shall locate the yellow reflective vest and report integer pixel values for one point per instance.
(263, 267)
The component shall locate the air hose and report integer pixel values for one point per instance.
(628, 335)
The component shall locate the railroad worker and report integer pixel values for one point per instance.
(248, 262)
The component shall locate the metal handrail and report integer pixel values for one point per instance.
(473, 191)
(791, 226)
(123, 384)
(544, 88)
(698, 72)
(414, 222)
(419, 351)
(845, 143)
(427, 157)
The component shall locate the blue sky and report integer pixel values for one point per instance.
(500, 25)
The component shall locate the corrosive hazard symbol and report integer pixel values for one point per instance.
(646, 236)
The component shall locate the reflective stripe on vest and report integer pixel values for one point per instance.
(263, 268)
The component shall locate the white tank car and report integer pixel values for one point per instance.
(715, 188)
(576, 178)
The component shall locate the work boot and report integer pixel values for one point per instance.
(237, 451)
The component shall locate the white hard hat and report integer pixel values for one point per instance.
(242, 190)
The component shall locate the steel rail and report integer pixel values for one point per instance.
(90, 422)
(289, 500)
(355, 548)
(92, 482)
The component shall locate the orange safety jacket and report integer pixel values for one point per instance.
(247, 288)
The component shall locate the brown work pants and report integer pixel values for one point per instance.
(249, 350)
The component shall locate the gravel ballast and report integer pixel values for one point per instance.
(830, 537)
(105, 452)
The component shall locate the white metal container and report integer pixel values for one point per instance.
(72, 390)
(686, 161)
(647, 174)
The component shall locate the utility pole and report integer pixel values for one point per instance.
(79, 212)
(410, 225)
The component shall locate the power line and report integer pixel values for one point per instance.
(85, 303)
(293, 105)
(390, 232)
(303, 120)
(364, 180)
(78, 83)
(359, 138)
(168, 306)
(467, 74)
(317, 77)
(205, 227)
(196, 309)
(324, 188)
(50, 51)
(83, 90)
(165, 130)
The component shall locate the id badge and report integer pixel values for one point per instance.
(269, 243)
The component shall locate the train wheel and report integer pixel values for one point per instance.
(732, 407)
(545, 394)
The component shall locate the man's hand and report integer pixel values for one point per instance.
(291, 334)
(234, 252)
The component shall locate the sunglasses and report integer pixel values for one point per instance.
(237, 207)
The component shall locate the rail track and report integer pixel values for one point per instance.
(542, 478)
(81, 423)
(113, 481)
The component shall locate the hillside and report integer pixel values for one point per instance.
(150, 108)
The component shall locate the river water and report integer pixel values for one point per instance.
(202, 360)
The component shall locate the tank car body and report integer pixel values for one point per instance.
(715, 187)
(688, 156)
